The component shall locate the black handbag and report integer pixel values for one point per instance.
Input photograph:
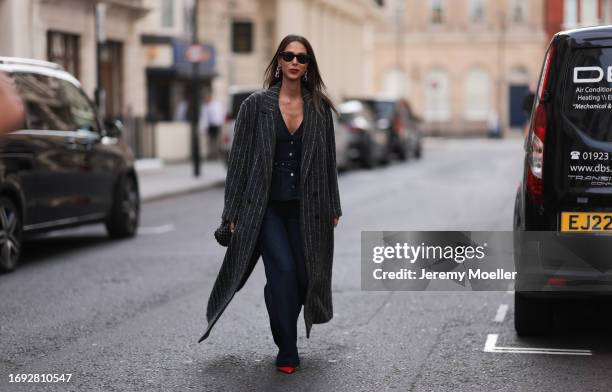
(223, 234)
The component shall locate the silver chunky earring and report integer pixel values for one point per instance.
(306, 76)
(278, 69)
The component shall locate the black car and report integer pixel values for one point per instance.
(366, 143)
(63, 168)
(395, 115)
(563, 209)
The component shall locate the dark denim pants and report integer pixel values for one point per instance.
(283, 255)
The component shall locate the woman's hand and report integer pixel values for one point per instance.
(336, 220)
(232, 227)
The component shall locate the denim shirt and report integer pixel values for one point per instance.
(286, 166)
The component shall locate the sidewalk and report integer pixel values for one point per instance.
(159, 181)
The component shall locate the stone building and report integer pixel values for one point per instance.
(247, 32)
(462, 64)
(240, 37)
(570, 14)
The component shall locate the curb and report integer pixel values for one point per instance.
(180, 192)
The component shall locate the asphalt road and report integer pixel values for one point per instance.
(125, 316)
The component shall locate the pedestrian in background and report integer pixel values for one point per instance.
(282, 199)
(11, 106)
(493, 126)
(211, 120)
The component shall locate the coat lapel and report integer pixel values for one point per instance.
(308, 138)
(268, 137)
(268, 109)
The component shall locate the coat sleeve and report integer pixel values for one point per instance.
(239, 160)
(334, 195)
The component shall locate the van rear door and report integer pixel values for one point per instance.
(583, 154)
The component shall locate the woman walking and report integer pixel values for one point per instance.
(282, 199)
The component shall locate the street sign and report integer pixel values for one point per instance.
(197, 53)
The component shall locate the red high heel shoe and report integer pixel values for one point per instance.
(286, 369)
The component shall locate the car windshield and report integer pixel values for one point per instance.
(346, 118)
(588, 92)
(381, 109)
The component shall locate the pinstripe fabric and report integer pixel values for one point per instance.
(247, 190)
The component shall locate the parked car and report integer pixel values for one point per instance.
(566, 189)
(64, 167)
(396, 116)
(237, 95)
(342, 134)
(367, 144)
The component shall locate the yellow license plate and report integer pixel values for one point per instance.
(586, 222)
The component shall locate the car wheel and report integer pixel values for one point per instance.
(386, 154)
(367, 156)
(417, 151)
(11, 229)
(532, 316)
(123, 219)
(402, 152)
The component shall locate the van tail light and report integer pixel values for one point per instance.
(554, 281)
(398, 126)
(535, 184)
(228, 118)
(537, 138)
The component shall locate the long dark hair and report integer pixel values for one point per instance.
(314, 84)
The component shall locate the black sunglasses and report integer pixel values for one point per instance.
(302, 58)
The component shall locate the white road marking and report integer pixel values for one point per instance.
(501, 313)
(490, 347)
(156, 229)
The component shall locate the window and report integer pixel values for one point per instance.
(589, 12)
(269, 38)
(436, 95)
(437, 11)
(167, 13)
(64, 49)
(111, 75)
(477, 95)
(570, 11)
(519, 11)
(395, 83)
(83, 114)
(46, 105)
(242, 37)
(589, 116)
(188, 9)
(477, 11)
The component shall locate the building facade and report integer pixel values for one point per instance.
(247, 32)
(464, 65)
(570, 14)
(166, 35)
(64, 31)
(239, 38)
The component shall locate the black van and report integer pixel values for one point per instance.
(64, 167)
(566, 190)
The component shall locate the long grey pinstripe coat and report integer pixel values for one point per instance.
(247, 189)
